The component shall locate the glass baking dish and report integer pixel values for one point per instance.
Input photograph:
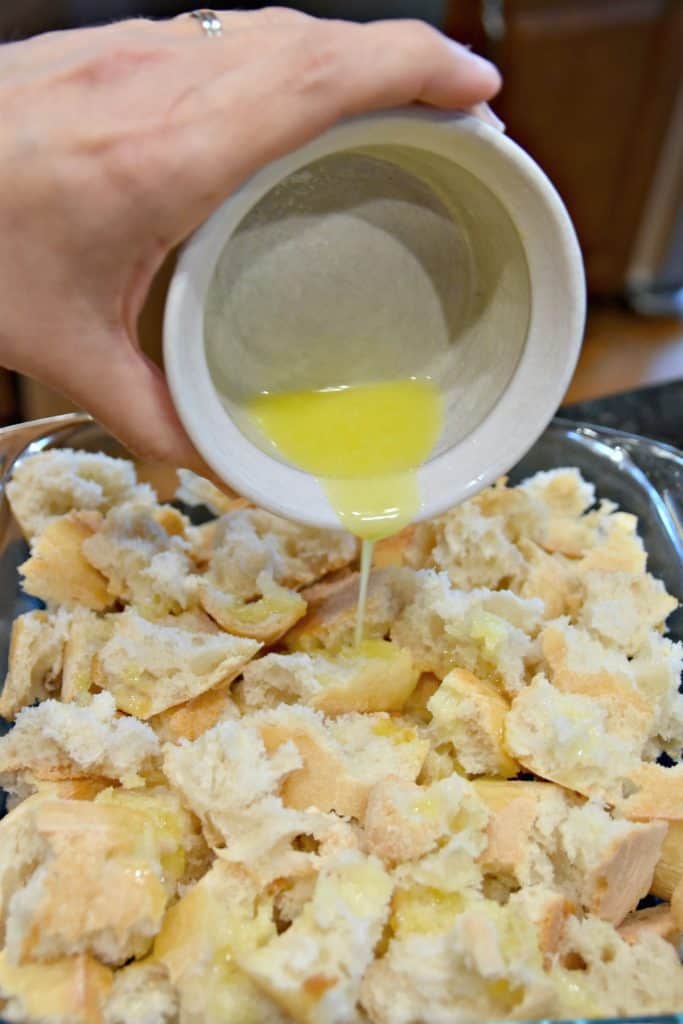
(643, 476)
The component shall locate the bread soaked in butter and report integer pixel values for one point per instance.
(223, 811)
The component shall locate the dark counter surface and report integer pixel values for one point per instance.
(655, 412)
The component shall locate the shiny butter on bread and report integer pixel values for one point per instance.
(221, 810)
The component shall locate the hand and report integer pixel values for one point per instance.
(118, 142)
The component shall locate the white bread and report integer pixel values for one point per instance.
(522, 830)
(489, 633)
(392, 551)
(66, 905)
(550, 577)
(452, 866)
(622, 608)
(87, 634)
(58, 572)
(658, 920)
(469, 713)
(72, 990)
(194, 491)
(650, 791)
(56, 482)
(669, 869)
(546, 729)
(203, 936)
(677, 906)
(330, 621)
(231, 782)
(192, 718)
(142, 993)
(487, 966)
(251, 541)
(142, 562)
(657, 670)
(342, 759)
(616, 977)
(149, 666)
(183, 853)
(314, 969)
(548, 910)
(404, 822)
(605, 865)
(378, 676)
(35, 659)
(642, 690)
(66, 741)
(472, 547)
(266, 618)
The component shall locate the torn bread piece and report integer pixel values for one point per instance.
(251, 541)
(622, 608)
(188, 721)
(548, 910)
(202, 938)
(404, 822)
(451, 866)
(487, 966)
(550, 577)
(489, 633)
(56, 482)
(232, 783)
(76, 896)
(377, 676)
(86, 635)
(194, 491)
(313, 971)
(540, 834)
(330, 621)
(342, 758)
(472, 547)
(143, 563)
(392, 551)
(607, 865)
(266, 618)
(469, 713)
(650, 792)
(59, 573)
(657, 920)
(579, 663)
(65, 741)
(149, 667)
(669, 869)
(141, 992)
(71, 990)
(611, 975)
(35, 659)
(570, 739)
(522, 829)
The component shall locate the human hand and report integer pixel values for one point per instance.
(117, 142)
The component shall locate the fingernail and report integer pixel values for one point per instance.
(467, 54)
(485, 114)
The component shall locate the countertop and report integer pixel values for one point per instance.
(655, 412)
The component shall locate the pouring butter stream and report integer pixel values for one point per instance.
(365, 443)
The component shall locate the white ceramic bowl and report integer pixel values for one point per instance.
(400, 243)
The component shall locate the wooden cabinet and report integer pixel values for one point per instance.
(590, 90)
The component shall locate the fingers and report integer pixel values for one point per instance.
(310, 75)
(128, 395)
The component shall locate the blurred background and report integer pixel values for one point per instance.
(593, 90)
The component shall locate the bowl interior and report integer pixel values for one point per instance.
(374, 263)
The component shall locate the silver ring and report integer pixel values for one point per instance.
(209, 21)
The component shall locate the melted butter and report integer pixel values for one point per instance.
(365, 443)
